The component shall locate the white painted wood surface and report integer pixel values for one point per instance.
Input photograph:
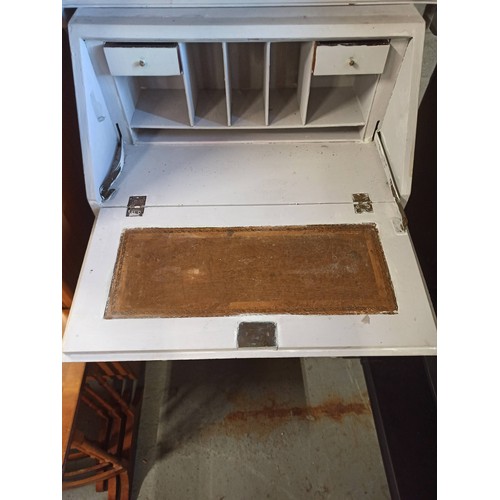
(305, 73)
(385, 85)
(328, 107)
(350, 59)
(190, 87)
(229, 3)
(284, 109)
(399, 125)
(242, 135)
(247, 108)
(163, 109)
(240, 24)
(99, 137)
(267, 80)
(198, 172)
(251, 174)
(90, 337)
(338, 106)
(227, 81)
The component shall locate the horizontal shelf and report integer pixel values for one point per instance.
(245, 135)
(167, 109)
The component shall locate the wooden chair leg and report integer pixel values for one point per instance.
(113, 488)
(113, 429)
(101, 486)
(124, 486)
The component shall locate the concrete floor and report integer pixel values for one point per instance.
(255, 429)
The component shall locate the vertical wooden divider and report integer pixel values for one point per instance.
(190, 86)
(227, 81)
(267, 72)
(305, 75)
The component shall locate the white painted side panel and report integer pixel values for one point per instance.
(350, 59)
(142, 61)
(387, 81)
(89, 337)
(398, 128)
(98, 132)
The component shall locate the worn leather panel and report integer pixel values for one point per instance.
(207, 272)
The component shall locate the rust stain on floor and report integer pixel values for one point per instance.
(261, 421)
(334, 409)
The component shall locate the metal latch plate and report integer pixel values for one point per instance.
(135, 206)
(257, 334)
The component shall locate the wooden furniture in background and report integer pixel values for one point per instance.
(72, 379)
(102, 445)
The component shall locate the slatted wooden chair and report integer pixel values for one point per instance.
(93, 464)
(110, 400)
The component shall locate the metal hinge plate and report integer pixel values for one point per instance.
(135, 206)
(362, 203)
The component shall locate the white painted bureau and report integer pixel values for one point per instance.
(212, 122)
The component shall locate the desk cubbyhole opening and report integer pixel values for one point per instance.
(247, 76)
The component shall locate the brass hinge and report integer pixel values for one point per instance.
(362, 203)
(135, 206)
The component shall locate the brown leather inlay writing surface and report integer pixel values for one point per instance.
(206, 272)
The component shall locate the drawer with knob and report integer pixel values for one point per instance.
(147, 59)
(350, 58)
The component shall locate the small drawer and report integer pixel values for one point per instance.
(127, 59)
(350, 58)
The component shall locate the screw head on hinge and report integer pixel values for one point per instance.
(362, 203)
(135, 206)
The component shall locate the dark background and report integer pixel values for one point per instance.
(403, 389)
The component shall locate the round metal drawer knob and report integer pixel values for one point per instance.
(142, 62)
(352, 62)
